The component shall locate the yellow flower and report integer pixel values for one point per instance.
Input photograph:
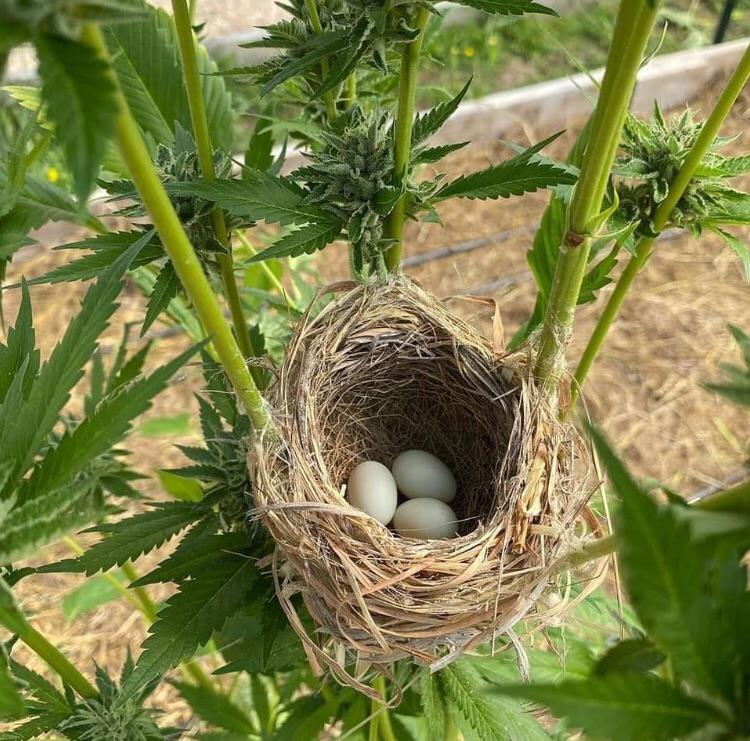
(53, 174)
(469, 52)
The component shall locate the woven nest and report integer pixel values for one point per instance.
(383, 369)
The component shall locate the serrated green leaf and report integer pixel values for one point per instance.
(259, 152)
(426, 124)
(51, 390)
(177, 424)
(632, 655)
(41, 520)
(738, 247)
(481, 715)
(102, 430)
(12, 706)
(307, 56)
(508, 7)
(621, 707)
(166, 287)
(308, 718)
(302, 241)
(73, 76)
(259, 196)
(428, 155)
(197, 550)
(146, 60)
(183, 488)
(666, 572)
(200, 607)
(433, 704)
(215, 708)
(521, 174)
(19, 350)
(11, 617)
(106, 248)
(130, 538)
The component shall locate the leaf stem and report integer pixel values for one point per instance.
(380, 723)
(645, 245)
(180, 251)
(635, 21)
(55, 659)
(733, 500)
(317, 26)
(402, 140)
(186, 43)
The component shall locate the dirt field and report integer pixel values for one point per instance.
(645, 392)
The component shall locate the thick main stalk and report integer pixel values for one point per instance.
(635, 21)
(177, 245)
(402, 141)
(645, 245)
(194, 89)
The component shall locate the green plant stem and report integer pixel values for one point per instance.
(733, 500)
(380, 723)
(635, 21)
(186, 43)
(54, 658)
(317, 26)
(180, 251)
(272, 277)
(645, 245)
(351, 90)
(451, 733)
(402, 141)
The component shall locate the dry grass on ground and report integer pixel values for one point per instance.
(645, 392)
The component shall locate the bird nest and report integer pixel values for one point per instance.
(379, 370)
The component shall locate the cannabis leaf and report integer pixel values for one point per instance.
(736, 385)
(621, 707)
(666, 574)
(304, 240)
(200, 607)
(429, 122)
(521, 174)
(490, 718)
(72, 76)
(258, 196)
(146, 59)
(508, 7)
(105, 249)
(130, 538)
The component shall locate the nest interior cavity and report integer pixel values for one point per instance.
(380, 370)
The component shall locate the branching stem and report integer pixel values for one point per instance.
(645, 245)
(180, 251)
(635, 21)
(407, 91)
(186, 43)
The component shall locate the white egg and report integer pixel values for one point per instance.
(425, 518)
(420, 474)
(372, 489)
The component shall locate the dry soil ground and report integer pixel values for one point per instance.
(645, 392)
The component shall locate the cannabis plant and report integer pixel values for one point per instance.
(130, 105)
